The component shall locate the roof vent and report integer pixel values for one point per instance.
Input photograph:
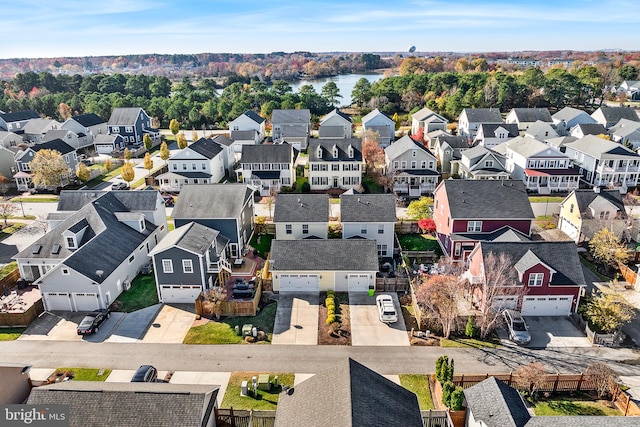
(99, 273)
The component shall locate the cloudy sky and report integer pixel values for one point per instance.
(45, 28)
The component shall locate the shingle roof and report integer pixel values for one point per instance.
(530, 115)
(55, 144)
(19, 116)
(105, 138)
(267, 153)
(327, 150)
(496, 404)
(88, 120)
(324, 255)
(56, 134)
(192, 237)
(124, 116)
(73, 200)
(326, 131)
(254, 116)
(403, 145)
(291, 116)
(624, 128)
(590, 128)
(210, 201)
(333, 113)
(487, 199)
(483, 115)
(526, 146)
(489, 129)
(222, 140)
(614, 114)
(294, 131)
(244, 135)
(38, 126)
(454, 141)
(206, 147)
(97, 404)
(373, 114)
(358, 397)
(540, 128)
(424, 113)
(301, 208)
(596, 147)
(368, 208)
(569, 113)
(582, 421)
(585, 197)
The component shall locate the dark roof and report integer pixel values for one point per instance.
(591, 128)
(192, 175)
(490, 129)
(73, 200)
(222, 140)
(294, 131)
(209, 201)
(88, 120)
(483, 115)
(496, 404)
(499, 199)
(326, 131)
(417, 172)
(585, 197)
(454, 141)
(327, 150)
(266, 174)
(269, 153)
(192, 237)
(561, 256)
(324, 255)
(19, 116)
(97, 404)
(368, 208)
(291, 116)
(206, 147)
(55, 144)
(614, 114)
(358, 397)
(124, 116)
(533, 114)
(243, 135)
(254, 116)
(301, 208)
(335, 112)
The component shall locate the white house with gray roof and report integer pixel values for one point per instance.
(525, 117)
(609, 116)
(10, 139)
(413, 167)
(292, 126)
(35, 129)
(448, 149)
(541, 131)
(428, 121)
(568, 117)
(68, 136)
(377, 121)
(107, 144)
(89, 125)
(470, 120)
(481, 163)
(268, 167)
(92, 255)
(335, 164)
(335, 125)
(626, 132)
(301, 216)
(583, 129)
(369, 216)
(251, 122)
(491, 134)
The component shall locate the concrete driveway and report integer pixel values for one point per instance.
(171, 324)
(550, 332)
(134, 326)
(366, 327)
(296, 319)
(62, 326)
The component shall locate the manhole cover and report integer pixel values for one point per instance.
(156, 325)
(297, 326)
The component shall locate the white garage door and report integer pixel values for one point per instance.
(86, 301)
(57, 301)
(299, 283)
(180, 293)
(505, 302)
(557, 305)
(569, 229)
(359, 282)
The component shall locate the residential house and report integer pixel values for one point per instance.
(92, 255)
(605, 163)
(249, 121)
(7, 162)
(227, 152)
(67, 136)
(316, 265)
(583, 129)
(15, 122)
(525, 117)
(35, 129)
(190, 260)
(585, 212)
(425, 121)
(336, 124)
(132, 124)
(107, 144)
(369, 216)
(10, 139)
(151, 404)
(470, 120)
(569, 117)
(491, 134)
(241, 138)
(559, 142)
(359, 397)
(631, 89)
(466, 212)
(292, 126)
(301, 216)
(268, 167)
(227, 208)
(335, 164)
(609, 116)
(412, 166)
(24, 158)
(549, 274)
(626, 132)
(15, 383)
(542, 168)
(377, 121)
(202, 162)
(449, 148)
(482, 163)
(541, 131)
(430, 138)
(88, 125)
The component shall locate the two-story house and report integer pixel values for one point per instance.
(542, 168)
(466, 212)
(336, 124)
(626, 132)
(369, 216)
(228, 153)
(525, 117)
(132, 124)
(267, 167)
(609, 116)
(65, 135)
(470, 120)
(199, 163)
(86, 126)
(227, 208)
(605, 163)
(412, 166)
(335, 163)
(90, 256)
(428, 121)
(568, 117)
(249, 122)
(35, 129)
(382, 125)
(24, 158)
(190, 259)
(301, 216)
(10, 139)
(107, 144)
(541, 131)
(15, 122)
(491, 134)
(447, 149)
(583, 129)
(482, 163)
(292, 126)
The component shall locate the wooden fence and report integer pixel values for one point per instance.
(392, 284)
(251, 418)
(9, 281)
(428, 256)
(594, 337)
(629, 275)
(434, 418)
(15, 320)
(232, 308)
(406, 227)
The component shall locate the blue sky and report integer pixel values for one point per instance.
(45, 28)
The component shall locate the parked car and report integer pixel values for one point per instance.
(386, 309)
(145, 374)
(168, 200)
(119, 186)
(92, 321)
(518, 329)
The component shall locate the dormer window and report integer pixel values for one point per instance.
(142, 225)
(319, 153)
(335, 152)
(71, 243)
(350, 151)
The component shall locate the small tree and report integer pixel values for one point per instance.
(83, 173)
(603, 377)
(439, 362)
(470, 328)
(214, 301)
(438, 297)
(174, 127)
(4, 184)
(6, 210)
(427, 225)
(372, 153)
(607, 248)
(41, 223)
(127, 173)
(182, 141)
(148, 142)
(108, 165)
(456, 399)
(271, 199)
(164, 152)
(447, 389)
(420, 208)
(148, 163)
(531, 377)
(610, 311)
(48, 168)
(444, 369)
(127, 155)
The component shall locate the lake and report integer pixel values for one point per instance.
(344, 82)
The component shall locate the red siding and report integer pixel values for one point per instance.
(489, 226)
(441, 210)
(545, 289)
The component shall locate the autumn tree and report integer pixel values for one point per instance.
(214, 301)
(148, 162)
(608, 249)
(108, 165)
(64, 110)
(127, 173)
(531, 377)
(4, 184)
(396, 120)
(83, 173)
(438, 298)
(6, 210)
(174, 127)
(182, 141)
(603, 377)
(127, 155)
(610, 311)
(164, 152)
(41, 223)
(148, 142)
(371, 151)
(48, 168)
(420, 208)
(427, 225)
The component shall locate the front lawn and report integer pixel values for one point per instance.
(87, 374)
(571, 406)
(10, 334)
(223, 331)
(142, 294)
(419, 242)
(265, 400)
(12, 228)
(8, 269)
(419, 384)
(262, 243)
(35, 199)
(545, 199)
(470, 343)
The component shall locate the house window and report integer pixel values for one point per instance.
(430, 165)
(204, 166)
(414, 153)
(187, 266)
(288, 229)
(363, 229)
(71, 243)
(184, 166)
(175, 167)
(305, 228)
(457, 250)
(423, 165)
(571, 208)
(404, 165)
(142, 225)
(131, 258)
(474, 226)
(380, 229)
(382, 250)
(395, 165)
(535, 279)
(128, 129)
(488, 164)
(193, 166)
(167, 266)
(413, 164)
(335, 167)
(604, 215)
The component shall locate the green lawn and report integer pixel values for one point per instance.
(4, 272)
(265, 400)
(545, 199)
(593, 268)
(567, 406)
(371, 186)
(264, 246)
(299, 181)
(87, 374)
(10, 334)
(142, 294)
(222, 332)
(419, 242)
(35, 199)
(419, 384)
(6, 232)
(469, 343)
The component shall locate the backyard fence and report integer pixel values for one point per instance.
(392, 284)
(9, 281)
(628, 274)
(406, 227)
(595, 337)
(242, 418)
(434, 418)
(24, 319)
(231, 308)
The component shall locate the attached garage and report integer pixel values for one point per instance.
(359, 282)
(505, 302)
(299, 283)
(179, 293)
(86, 301)
(569, 229)
(57, 301)
(547, 305)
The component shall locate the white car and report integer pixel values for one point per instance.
(386, 309)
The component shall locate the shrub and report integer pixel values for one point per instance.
(470, 329)
(330, 303)
(331, 311)
(439, 362)
(447, 389)
(305, 188)
(456, 399)
(331, 319)
(444, 369)
(331, 293)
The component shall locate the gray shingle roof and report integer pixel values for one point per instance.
(489, 129)
(582, 421)
(483, 115)
(254, 116)
(55, 144)
(585, 197)
(294, 131)
(333, 113)
(596, 147)
(402, 145)
(424, 113)
(326, 131)
(19, 116)
(526, 146)
(624, 128)
(301, 208)
(244, 135)
(496, 404)
(368, 208)
(373, 114)
(291, 116)
(124, 116)
(349, 395)
(530, 115)
(38, 126)
(267, 153)
(192, 237)
(105, 138)
(591, 128)
(222, 140)
(98, 404)
(453, 141)
(614, 114)
(57, 134)
(569, 113)
(324, 255)
(206, 147)
(88, 120)
(73, 200)
(487, 199)
(210, 201)
(327, 150)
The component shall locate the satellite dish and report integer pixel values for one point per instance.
(411, 49)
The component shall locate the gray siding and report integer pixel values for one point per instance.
(225, 226)
(178, 276)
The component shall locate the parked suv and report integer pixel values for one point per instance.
(386, 309)
(518, 329)
(145, 374)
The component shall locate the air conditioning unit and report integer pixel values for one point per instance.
(127, 285)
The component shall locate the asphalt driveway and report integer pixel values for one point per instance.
(171, 324)
(550, 332)
(366, 327)
(296, 319)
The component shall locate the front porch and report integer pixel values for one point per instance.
(173, 182)
(550, 180)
